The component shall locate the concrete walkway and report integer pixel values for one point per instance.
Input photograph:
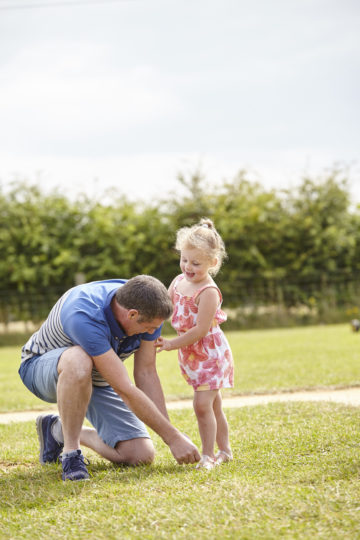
(347, 396)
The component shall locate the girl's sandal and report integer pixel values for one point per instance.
(222, 457)
(206, 462)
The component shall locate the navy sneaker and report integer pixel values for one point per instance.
(50, 448)
(74, 467)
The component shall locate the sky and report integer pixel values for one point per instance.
(127, 94)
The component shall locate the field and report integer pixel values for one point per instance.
(295, 474)
(265, 361)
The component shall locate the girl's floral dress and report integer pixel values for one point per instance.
(208, 363)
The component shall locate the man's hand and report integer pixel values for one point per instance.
(183, 450)
(163, 344)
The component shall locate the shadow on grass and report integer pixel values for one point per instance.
(30, 485)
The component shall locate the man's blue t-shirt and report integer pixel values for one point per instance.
(83, 316)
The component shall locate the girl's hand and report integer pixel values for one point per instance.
(163, 344)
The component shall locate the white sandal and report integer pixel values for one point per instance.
(206, 462)
(222, 457)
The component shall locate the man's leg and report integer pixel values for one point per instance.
(119, 435)
(131, 452)
(62, 375)
(74, 389)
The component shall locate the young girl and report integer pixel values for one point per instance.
(204, 353)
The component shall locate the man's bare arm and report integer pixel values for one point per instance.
(114, 372)
(146, 376)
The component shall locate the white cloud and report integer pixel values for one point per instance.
(43, 94)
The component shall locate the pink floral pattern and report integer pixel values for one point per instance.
(208, 363)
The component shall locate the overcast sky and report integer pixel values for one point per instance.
(128, 93)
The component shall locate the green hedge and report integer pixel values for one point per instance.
(293, 248)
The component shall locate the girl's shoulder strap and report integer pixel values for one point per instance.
(208, 286)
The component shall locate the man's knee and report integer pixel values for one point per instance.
(76, 363)
(136, 451)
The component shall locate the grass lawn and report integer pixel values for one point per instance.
(265, 361)
(295, 475)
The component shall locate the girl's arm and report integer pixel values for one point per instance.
(208, 303)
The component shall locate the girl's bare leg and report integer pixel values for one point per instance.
(203, 407)
(222, 433)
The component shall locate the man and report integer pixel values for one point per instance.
(73, 359)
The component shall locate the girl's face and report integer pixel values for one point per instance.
(195, 264)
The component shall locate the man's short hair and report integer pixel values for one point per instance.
(147, 295)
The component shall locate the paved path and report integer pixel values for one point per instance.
(347, 396)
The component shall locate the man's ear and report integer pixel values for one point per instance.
(132, 314)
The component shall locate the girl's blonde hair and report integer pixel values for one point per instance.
(205, 237)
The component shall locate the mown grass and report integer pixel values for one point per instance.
(265, 361)
(295, 475)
